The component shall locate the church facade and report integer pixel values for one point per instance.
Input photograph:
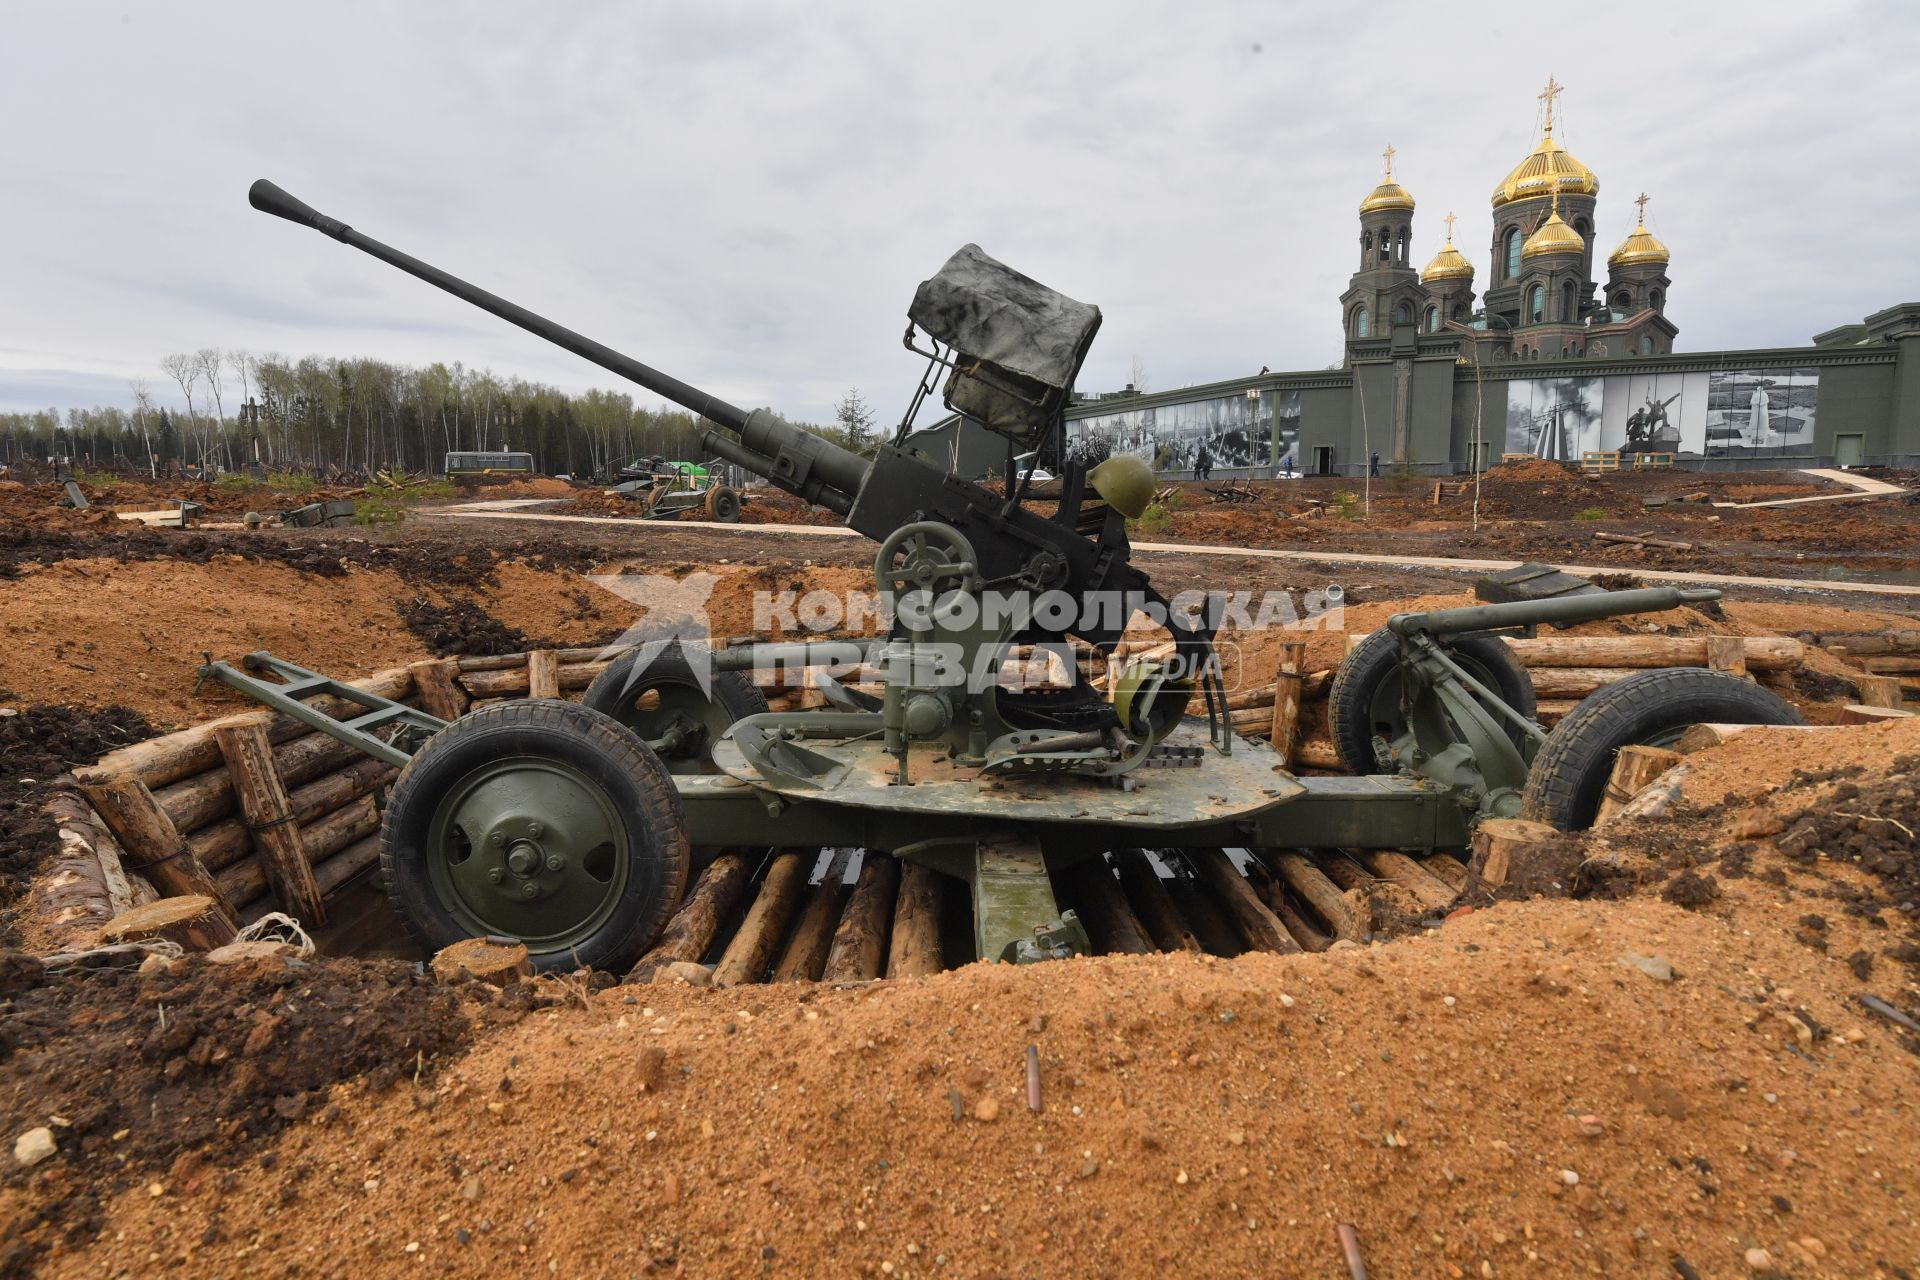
(1560, 352)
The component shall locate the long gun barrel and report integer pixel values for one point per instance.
(796, 460)
(1567, 609)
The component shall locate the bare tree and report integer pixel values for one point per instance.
(183, 369)
(212, 363)
(142, 406)
(1138, 377)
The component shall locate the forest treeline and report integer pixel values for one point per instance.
(361, 416)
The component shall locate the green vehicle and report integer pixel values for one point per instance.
(667, 489)
(576, 827)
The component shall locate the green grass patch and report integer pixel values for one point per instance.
(293, 482)
(1590, 513)
(375, 509)
(95, 479)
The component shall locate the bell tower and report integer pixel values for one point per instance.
(1385, 289)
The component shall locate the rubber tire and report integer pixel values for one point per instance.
(1569, 776)
(1373, 661)
(734, 692)
(723, 504)
(638, 785)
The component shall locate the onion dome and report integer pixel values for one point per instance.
(1389, 194)
(1549, 169)
(1553, 236)
(1641, 247)
(1449, 263)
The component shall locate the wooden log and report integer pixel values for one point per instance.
(565, 657)
(1344, 872)
(268, 813)
(221, 844)
(543, 674)
(1152, 904)
(1634, 768)
(1304, 933)
(1699, 737)
(1397, 868)
(753, 945)
(1314, 888)
(1499, 845)
(1256, 922)
(690, 933)
(193, 920)
(806, 951)
(246, 879)
(440, 694)
(1111, 921)
(149, 837)
(81, 883)
(1551, 711)
(1892, 666)
(483, 960)
(914, 951)
(331, 873)
(514, 682)
(1447, 869)
(1762, 653)
(171, 757)
(1576, 682)
(1857, 714)
(1878, 691)
(1727, 653)
(860, 941)
(206, 798)
(1286, 698)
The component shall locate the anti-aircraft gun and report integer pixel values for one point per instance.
(574, 827)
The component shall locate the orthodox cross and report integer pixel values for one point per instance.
(1547, 96)
(1387, 155)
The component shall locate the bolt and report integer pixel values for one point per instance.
(555, 862)
(497, 839)
(531, 890)
(536, 829)
(496, 875)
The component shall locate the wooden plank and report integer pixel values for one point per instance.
(914, 951)
(1257, 923)
(860, 941)
(269, 815)
(1634, 769)
(752, 947)
(151, 840)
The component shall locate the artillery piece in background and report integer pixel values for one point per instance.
(576, 827)
(667, 488)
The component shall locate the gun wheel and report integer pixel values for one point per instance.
(538, 820)
(1365, 700)
(723, 504)
(665, 704)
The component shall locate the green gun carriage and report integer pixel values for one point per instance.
(576, 827)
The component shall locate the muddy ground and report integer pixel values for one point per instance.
(1654, 1050)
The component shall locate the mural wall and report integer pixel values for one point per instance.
(1723, 414)
(1235, 431)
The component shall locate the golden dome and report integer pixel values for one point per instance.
(1389, 194)
(1640, 247)
(1553, 236)
(1449, 263)
(1548, 170)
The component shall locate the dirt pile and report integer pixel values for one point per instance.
(173, 1075)
(459, 627)
(37, 745)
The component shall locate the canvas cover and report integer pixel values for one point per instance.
(1029, 339)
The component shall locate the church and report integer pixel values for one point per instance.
(1542, 301)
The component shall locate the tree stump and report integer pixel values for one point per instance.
(193, 920)
(483, 960)
(1499, 845)
(1634, 769)
(1878, 691)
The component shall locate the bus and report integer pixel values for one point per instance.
(489, 464)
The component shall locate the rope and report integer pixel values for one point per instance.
(278, 926)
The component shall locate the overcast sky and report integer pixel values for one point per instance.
(746, 195)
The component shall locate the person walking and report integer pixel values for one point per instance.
(1373, 465)
(1203, 465)
(1286, 466)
